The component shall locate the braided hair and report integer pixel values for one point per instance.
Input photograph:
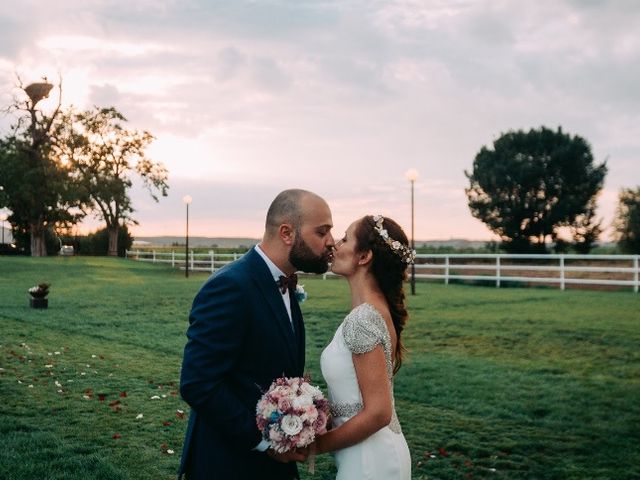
(390, 271)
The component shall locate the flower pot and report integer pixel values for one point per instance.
(39, 302)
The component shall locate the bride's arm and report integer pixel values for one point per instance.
(371, 372)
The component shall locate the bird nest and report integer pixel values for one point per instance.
(38, 91)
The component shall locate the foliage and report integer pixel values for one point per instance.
(627, 221)
(97, 243)
(500, 384)
(57, 167)
(532, 183)
(105, 155)
(36, 187)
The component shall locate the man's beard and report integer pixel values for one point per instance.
(303, 258)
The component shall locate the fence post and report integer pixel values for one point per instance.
(498, 271)
(636, 274)
(173, 258)
(213, 260)
(561, 272)
(446, 270)
(191, 260)
(154, 256)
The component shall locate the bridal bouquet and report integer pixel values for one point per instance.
(291, 413)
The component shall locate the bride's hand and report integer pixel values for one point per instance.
(298, 455)
(317, 446)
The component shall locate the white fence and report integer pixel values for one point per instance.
(560, 270)
(205, 262)
(499, 269)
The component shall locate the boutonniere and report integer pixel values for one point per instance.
(301, 295)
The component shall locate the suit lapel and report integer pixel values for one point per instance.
(296, 315)
(276, 307)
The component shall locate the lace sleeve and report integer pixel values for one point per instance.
(361, 331)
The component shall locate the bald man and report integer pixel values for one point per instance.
(245, 330)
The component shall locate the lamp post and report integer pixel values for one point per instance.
(187, 200)
(412, 176)
(3, 217)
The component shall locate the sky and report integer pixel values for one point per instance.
(248, 98)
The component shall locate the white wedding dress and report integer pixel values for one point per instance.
(385, 454)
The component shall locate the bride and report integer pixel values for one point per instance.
(365, 353)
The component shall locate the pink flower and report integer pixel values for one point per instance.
(284, 404)
(321, 422)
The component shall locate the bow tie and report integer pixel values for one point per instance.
(289, 282)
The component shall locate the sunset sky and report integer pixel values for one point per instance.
(247, 98)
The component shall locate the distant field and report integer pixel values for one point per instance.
(511, 383)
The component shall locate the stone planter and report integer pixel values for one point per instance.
(39, 302)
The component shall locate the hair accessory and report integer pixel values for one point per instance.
(407, 254)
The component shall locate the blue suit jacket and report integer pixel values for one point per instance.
(239, 340)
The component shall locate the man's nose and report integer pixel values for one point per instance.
(330, 241)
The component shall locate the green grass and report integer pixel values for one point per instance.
(498, 383)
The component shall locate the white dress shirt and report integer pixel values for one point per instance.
(276, 272)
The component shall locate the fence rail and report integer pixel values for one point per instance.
(204, 262)
(555, 269)
(552, 269)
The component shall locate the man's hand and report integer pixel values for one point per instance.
(299, 455)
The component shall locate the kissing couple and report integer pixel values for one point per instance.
(246, 329)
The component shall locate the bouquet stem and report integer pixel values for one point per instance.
(311, 459)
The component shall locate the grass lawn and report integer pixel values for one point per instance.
(498, 383)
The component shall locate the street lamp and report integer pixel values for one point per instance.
(412, 176)
(187, 200)
(3, 217)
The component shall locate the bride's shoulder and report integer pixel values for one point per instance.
(365, 313)
(363, 328)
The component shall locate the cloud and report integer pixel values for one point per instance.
(340, 97)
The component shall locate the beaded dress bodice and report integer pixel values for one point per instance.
(361, 331)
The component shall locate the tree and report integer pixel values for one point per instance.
(627, 221)
(37, 188)
(586, 229)
(105, 155)
(532, 183)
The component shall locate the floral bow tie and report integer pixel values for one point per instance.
(289, 282)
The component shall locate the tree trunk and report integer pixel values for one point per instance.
(38, 245)
(113, 241)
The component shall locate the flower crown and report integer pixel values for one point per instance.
(407, 254)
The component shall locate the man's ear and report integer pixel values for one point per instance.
(287, 233)
(365, 257)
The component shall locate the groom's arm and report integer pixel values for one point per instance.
(218, 322)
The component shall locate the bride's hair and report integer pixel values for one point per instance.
(389, 269)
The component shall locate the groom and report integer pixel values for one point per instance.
(245, 330)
